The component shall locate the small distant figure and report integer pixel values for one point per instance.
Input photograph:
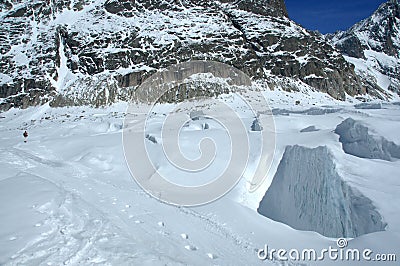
(25, 134)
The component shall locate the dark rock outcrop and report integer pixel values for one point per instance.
(96, 52)
(379, 32)
(375, 40)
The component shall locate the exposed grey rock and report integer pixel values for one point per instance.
(262, 7)
(308, 194)
(378, 32)
(376, 40)
(107, 55)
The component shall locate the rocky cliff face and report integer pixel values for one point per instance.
(373, 46)
(96, 51)
(262, 7)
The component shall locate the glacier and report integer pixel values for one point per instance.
(357, 141)
(67, 197)
(308, 194)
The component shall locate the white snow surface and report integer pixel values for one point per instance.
(67, 197)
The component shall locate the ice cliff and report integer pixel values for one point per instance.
(357, 141)
(308, 194)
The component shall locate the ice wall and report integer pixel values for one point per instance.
(357, 141)
(308, 194)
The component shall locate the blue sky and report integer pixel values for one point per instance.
(329, 16)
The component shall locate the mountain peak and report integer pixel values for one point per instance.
(379, 32)
(374, 44)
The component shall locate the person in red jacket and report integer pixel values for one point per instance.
(25, 134)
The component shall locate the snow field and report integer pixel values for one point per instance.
(68, 198)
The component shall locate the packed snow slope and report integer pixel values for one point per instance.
(67, 197)
(95, 51)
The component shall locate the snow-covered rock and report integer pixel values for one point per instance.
(93, 52)
(373, 46)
